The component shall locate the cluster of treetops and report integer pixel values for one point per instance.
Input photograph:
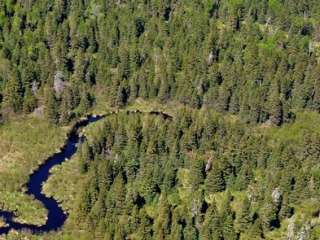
(257, 59)
(194, 177)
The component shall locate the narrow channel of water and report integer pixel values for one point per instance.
(56, 216)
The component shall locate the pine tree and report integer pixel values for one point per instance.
(119, 190)
(85, 157)
(145, 227)
(162, 224)
(227, 218)
(243, 217)
(124, 65)
(196, 173)
(29, 101)
(13, 94)
(66, 106)
(122, 97)
(275, 105)
(316, 90)
(177, 232)
(244, 177)
(211, 228)
(256, 231)
(269, 215)
(85, 103)
(286, 210)
(51, 106)
(189, 231)
(169, 176)
(214, 181)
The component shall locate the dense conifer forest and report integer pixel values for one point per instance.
(238, 158)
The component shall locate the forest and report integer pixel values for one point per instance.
(238, 158)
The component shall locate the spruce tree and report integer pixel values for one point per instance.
(85, 157)
(227, 218)
(51, 106)
(275, 104)
(212, 228)
(214, 181)
(144, 231)
(29, 101)
(269, 215)
(243, 216)
(196, 174)
(66, 107)
(85, 103)
(162, 224)
(13, 94)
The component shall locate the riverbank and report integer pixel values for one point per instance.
(55, 216)
(37, 193)
(25, 143)
(70, 180)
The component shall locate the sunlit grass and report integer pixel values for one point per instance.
(25, 143)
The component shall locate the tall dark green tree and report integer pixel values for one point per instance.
(13, 94)
(51, 106)
(214, 181)
(244, 217)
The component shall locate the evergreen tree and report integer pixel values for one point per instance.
(145, 228)
(214, 181)
(189, 231)
(243, 217)
(275, 105)
(212, 228)
(230, 73)
(29, 101)
(162, 224)
(51, 106)
(196, 173)
(85, 103)
(85, 157)
(13, 94)
(227, 218)
(269, 215)
(66, 107)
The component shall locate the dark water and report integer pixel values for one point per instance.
(56, 216)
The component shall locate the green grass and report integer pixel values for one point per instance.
(25, 143)
(66, 179)
(147, 106)
(305, 122)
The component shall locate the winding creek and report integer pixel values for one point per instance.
(56, 216)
